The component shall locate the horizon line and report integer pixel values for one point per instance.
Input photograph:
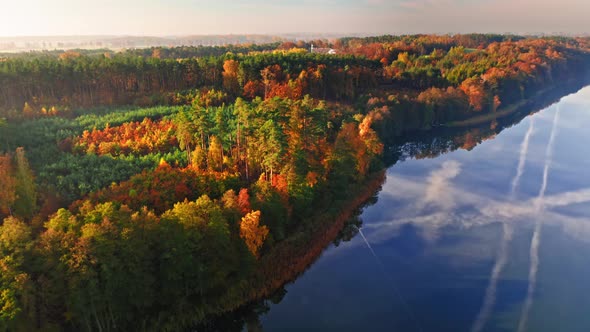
(289, 34)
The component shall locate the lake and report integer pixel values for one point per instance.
(489, 237)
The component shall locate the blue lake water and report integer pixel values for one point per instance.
(494, 238)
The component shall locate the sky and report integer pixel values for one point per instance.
(198, 17)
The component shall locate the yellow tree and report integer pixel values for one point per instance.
(7, 183)
(230, 200)
(25, 189)
(15, 246)
(252, 233)
(28, 111)
(231, 82)
(215, 154)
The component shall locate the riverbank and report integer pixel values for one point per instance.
(295, 254)
(290, 258)
(513, 108)
(481, 119)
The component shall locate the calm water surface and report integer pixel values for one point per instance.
(492, 239)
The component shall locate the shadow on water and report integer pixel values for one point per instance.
(419, 145)
(443, 139)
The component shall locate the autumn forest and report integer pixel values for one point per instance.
(155, 189)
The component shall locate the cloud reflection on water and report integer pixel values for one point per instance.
(507, 233)
(474, 210)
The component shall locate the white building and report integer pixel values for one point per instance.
(321, 50)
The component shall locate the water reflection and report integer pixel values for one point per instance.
(465, 209)
(459, 207)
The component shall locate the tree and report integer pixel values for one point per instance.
(7, 183)
(244, 201)
(215, 154)
(185, 133)
(268, 77)
(252, 233)
(230, 77)
(207, 236)
(26, 192)
(241, 114)
(270, 146)
(272, 206)
(199, 158)
(349, 160)
(474, 89)
(15, 246)
(231, 208)
(28, 110)
(252, 89)
(230, 200)
(201, 123)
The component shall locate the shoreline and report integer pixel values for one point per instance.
(513, 108)
(481, 119)
(292, 257)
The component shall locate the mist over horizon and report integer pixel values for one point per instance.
(15, 45)
(174, 18)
